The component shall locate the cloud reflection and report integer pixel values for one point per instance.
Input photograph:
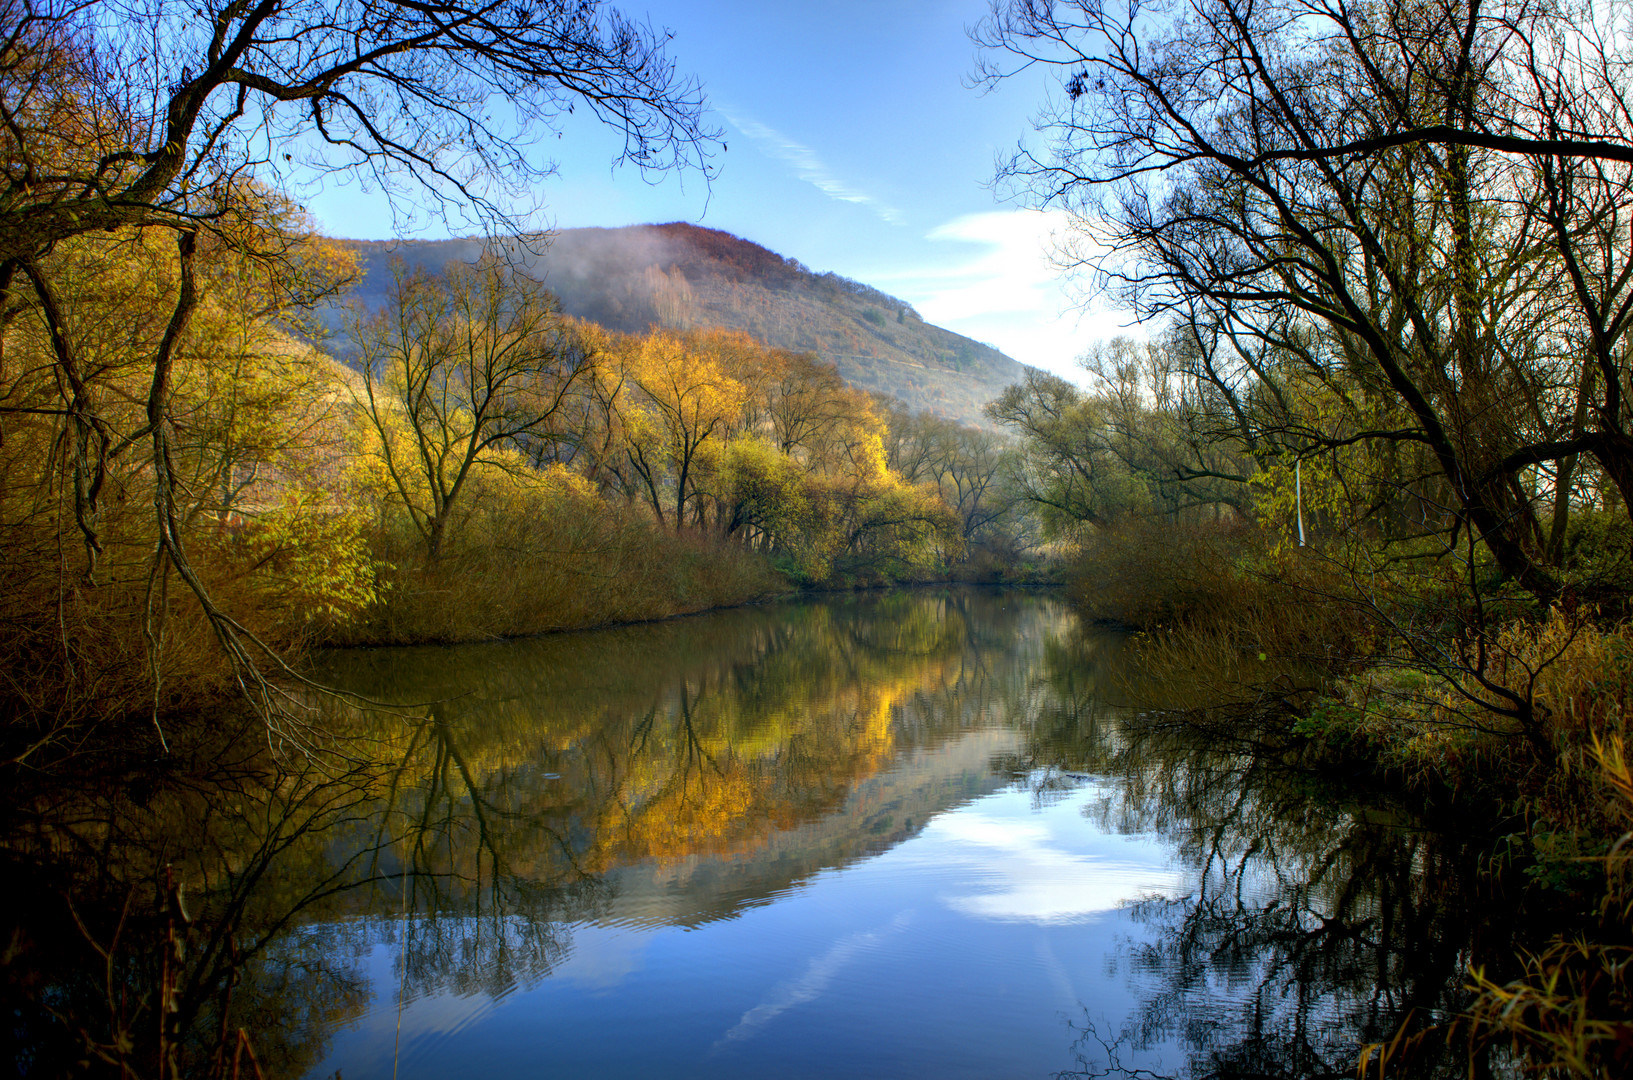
(1032, 879)
(810, 985)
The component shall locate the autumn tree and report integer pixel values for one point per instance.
(399, 93)
(807, 401)
(686, 401)
(969, 467)
(457, 370)
(252, 423)
(179, 120)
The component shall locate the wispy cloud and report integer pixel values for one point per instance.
(809, 167)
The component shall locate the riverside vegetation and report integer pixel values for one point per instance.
(484, 467)
(192, 490)
(1373, 475)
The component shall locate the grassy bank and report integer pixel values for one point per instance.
(1485, 707)
(520, 576)
(614, 570)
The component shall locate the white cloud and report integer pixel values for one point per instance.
(602, 958)
(1002, 283)
(810, 168)
(1012, 270)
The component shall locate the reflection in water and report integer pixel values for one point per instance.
(1310, 924)
(887, 835)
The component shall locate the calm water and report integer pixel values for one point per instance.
(929, 834)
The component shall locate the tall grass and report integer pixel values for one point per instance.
(1514, 719)
(548, 560)
(105, 662)
(1216, 588)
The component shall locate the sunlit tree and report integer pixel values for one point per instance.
(456, 370)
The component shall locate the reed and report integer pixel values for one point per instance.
(535, 568)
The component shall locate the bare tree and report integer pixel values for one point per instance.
(120, 114)
(188, 117)
(1426, 203)
(458, 369)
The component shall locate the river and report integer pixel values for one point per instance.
(932, 833)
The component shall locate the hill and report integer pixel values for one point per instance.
(682, 276)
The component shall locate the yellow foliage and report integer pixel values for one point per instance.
(309, 555)
(1576, 675)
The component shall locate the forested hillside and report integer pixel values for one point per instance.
(683, 277)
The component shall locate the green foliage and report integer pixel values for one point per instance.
(1334, 730)
(766, 488)
(1136, 444)
(1598, 552)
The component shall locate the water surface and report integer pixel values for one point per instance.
(907, 835)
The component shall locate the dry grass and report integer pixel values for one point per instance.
(104, 663)
(1220, 615)
(1517, 711)
(1151, 573)
(1570, 1011)
(535, 569)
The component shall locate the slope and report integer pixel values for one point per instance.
(682, 276)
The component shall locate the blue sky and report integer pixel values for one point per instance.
(854, 145)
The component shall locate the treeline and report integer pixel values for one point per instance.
(509, 440)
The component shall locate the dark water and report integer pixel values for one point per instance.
(915, 835)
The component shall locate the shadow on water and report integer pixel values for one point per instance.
(677, 775)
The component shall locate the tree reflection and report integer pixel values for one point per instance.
(1315, 919)
(114, 970)
(470, 836)
(677, 774)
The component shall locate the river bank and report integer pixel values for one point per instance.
(640, 575)
(1478, 704)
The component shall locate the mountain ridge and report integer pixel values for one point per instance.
(683, 276)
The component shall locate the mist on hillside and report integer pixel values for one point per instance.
(681, 276)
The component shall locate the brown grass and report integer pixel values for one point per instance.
(1214, 588)
(102, 662)
(519, 572)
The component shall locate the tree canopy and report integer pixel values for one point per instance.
(158, 113)
(1423, 208)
